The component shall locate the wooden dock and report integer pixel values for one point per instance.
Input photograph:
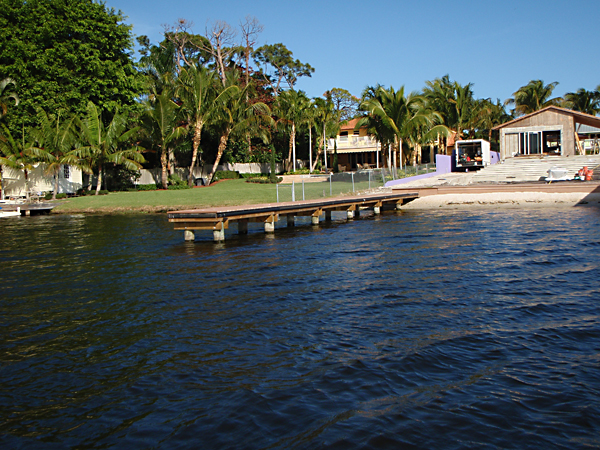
(218, 219)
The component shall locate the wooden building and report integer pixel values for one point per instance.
(549, 131)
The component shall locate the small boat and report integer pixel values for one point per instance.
(9, 212)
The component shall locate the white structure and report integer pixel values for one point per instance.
(472, 154)
(14, 185)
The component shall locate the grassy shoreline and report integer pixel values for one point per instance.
(230, 192)
(223, 193)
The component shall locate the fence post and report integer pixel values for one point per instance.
(369, 180)
(303, 191)
(293, 191)
(277, 186)
(352, 173)
(330, 186)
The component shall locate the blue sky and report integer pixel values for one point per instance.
(498, 46)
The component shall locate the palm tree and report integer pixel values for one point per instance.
(7, 98)
(160, 121)
(196, 91)
(326, 122)
(18, 155)
(584, 101)
(54, 143)
(102, 144)
(291, 109)
(533, 97)
(234, 115)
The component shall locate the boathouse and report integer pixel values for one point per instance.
(552, 131)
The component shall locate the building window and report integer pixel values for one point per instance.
(67, 171)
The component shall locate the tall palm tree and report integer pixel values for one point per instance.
(584, 101)
(291, 107)
(104, 144)
(160, 122)
(19, 155)
(326, 121)
(534, 96)
(55, 141)
(234, 114)
(197, 92)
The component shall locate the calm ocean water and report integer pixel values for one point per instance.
(462, 329)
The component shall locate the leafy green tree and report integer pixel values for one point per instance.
(104, 144)
(344, 103)
(534, 96)
(277, 64)
(64, 53)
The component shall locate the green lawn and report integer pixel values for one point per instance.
(231, 192)
(225, 193)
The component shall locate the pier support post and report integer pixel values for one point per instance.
(314, 220)
(188, 235)
(219, 235)
(399, 205)
(376, 210)
(350, 214)
(269, 227)
(243, 226)
(328, 216)
(290, 220)
(357, 213)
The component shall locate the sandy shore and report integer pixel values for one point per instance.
(504, 200)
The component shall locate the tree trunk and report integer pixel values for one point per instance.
(56, 184)
(99, 183)
(222, 146)
(163, 165)
(310, 148)
(288, 164)
(195, 146)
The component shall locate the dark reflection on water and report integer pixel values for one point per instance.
(425, 330)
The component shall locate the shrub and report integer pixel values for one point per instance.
(174, 187)
(225, 175)
(264, 180)
(59, 196)
(175, 180)
(145, 187)
(48, 196)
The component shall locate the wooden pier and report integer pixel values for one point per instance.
(218, 219)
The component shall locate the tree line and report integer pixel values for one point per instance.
(72, 93)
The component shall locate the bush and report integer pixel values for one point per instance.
(175, 180)
(225, 175)
(59, 196)
(305, 171)
(174, 187)
(264, 180)
(145, 187)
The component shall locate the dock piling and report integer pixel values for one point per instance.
(188, 235)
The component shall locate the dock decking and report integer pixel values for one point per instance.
(218, 219)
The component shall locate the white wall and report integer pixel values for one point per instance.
(13, 181)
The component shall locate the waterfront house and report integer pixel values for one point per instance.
(13, 181)
(552, 131)
(355, 148)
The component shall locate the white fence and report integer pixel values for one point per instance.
(149, 176)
